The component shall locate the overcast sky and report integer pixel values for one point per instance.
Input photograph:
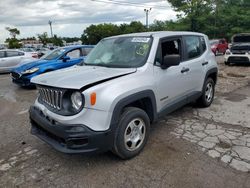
(71, 17)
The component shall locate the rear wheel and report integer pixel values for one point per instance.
(227, 63)
(207, 96)
(132, 133)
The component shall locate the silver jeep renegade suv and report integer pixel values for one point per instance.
(127, 82)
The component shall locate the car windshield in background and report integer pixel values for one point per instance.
(213, 42)
(123, 52)
(54, 54)
(27, 49)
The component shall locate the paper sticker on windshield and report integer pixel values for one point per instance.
(140, 39)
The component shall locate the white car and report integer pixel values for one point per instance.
(10, 59)
(239, 52)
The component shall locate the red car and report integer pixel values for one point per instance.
(219, 46)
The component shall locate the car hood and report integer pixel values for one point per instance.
(77, 77)
(29, 65)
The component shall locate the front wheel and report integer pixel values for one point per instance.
(207, 96)
(227, 63)
(132, 133)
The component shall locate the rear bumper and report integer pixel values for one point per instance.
(69, 138)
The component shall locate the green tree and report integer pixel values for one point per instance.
(13, 32)
(216, 18)
(133, 27)
(94, 33)
(13, 42)
(57, 41)
(43, 38)
(192, 12)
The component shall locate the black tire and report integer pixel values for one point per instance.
(204, 100)
(227, 63)
(121, 147)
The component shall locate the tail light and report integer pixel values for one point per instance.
(34, 55)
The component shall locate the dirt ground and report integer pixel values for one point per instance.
(192, 147)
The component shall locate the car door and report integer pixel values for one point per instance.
(170, 82)
(195, 61)
(13, 58)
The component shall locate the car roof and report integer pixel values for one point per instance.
(17, 50)
(77, 46)
(159, 34)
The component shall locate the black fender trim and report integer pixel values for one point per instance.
(130, 99)
(211, 71)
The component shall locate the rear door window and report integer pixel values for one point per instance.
(12, 54)
(193, 47)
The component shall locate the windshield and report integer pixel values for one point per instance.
(54, 54)
(124, 52)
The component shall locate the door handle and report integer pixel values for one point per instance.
(205, 63)
(184, 70)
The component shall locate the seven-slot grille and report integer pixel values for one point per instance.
(51, 97)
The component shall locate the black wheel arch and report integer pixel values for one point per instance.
(212, 73)
(146, 97)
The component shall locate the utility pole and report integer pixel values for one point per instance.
(147, 12)
(50, 24)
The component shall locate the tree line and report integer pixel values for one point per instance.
(216, 18)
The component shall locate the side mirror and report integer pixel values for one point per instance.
(171, 60)
(65, 58)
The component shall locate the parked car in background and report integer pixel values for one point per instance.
(56, 59)
(239, 51)
(43, 51)
(32, 51)
(218, 46)
(10, 59)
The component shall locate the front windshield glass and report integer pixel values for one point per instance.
(124, 52)
(54, 54)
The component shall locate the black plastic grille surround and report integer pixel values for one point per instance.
(57, 100)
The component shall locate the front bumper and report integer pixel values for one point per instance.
(20, 79)
(237, 59)
(69, 138)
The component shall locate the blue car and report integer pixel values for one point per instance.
(57, 59)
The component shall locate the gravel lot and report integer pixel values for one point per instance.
(190, 148)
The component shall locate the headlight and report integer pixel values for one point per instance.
(76, 100)
(29, 71)
(228, 52)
